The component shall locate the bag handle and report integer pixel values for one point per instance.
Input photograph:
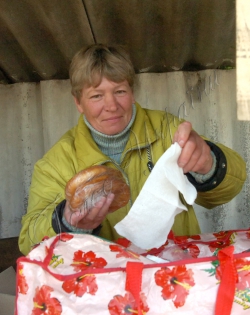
(134, 281)
(226, 291)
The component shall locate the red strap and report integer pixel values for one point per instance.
(229, 277)
(134, 281)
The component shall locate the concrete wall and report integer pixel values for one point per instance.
(34, 116)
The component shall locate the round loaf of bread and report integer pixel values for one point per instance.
(89, 185)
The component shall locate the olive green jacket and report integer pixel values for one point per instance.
(76, 150)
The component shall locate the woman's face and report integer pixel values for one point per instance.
(107, 107)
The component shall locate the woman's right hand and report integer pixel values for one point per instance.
(89, 219)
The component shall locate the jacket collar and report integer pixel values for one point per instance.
(142, 133)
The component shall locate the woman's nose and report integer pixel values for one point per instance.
(111, 103)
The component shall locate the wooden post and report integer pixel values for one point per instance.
(243, 59)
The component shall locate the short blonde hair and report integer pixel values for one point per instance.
(91, 64)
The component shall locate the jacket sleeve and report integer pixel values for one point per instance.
(228, 180)
(219, 172)
(47, 201)
(46, 192)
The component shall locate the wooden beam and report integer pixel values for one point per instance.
(243, 59)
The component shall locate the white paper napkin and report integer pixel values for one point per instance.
(151, 217)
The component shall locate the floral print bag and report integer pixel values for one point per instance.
(73, 274)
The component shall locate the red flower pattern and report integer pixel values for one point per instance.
(182, 240)
(192, 249)
(65, 237)
(156, 250)
(21, 281)
(87, 282)
(223, 239)
(123, 252)
(214, 245)
(44, 304)
(120, 305)
(83, 261)
(243, 269)
(221, 234)
(123, 241)
(175, 283)
(80, 285)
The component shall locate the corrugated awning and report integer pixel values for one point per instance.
(39, 37)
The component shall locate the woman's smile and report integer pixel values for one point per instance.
(113, 119)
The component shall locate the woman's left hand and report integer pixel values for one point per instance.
(89, 219)
(196, 154)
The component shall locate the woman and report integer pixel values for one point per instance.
(115, 131)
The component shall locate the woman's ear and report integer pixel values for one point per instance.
(78, 105)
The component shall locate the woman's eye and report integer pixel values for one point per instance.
(120, 91)
(96, 96)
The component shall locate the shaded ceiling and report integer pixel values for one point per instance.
(39, 37)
